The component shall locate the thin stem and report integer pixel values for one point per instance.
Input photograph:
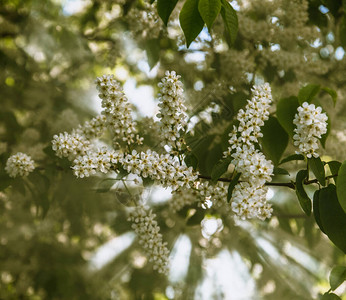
(291, 185)
(316, 181)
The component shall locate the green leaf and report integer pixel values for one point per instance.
(292, 157)
(285, 112)
(105, 185)
(341, 186)
(147, 181)
(231, 186)
(303, 198)
(334, 166)
(5, 180)
(280, 171)
(220, 168)
(209, 10)
(332, 93)
(317, 167)
(324, 137)
(330, 296)
(274, 140)
(230, 20)
(152, 48)
(212, 158)
(165, 8)
(316, 207)
(342, 32)
(332, 216)
(191, 161)
(196, 218)
(337, 276)
(308, 92)
(190, 21)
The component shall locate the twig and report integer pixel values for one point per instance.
(291, 185)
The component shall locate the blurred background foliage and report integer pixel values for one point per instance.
(53, 227)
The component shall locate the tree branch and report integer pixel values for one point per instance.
(291, 185)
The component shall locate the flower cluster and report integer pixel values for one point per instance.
(150, 238)
(182, 197)
(205, 195)
(248, 161)
(19, 164)
(214, 193)
(311, 125)
(172, 110)
(70, 145)
(100, 160)
(117, 110)
(162, 168)
(93, 128)
(250, 201)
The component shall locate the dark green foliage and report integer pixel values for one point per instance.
(274, 134)
(230, 20)
(317, 167)
(334, 166)
(341, 184)
(285, 112)
(196, 218)
(316, 208)
(308, 92)
(220, 168)
(303, 198)
(191, 21)
(231, 186)
(332, 216)
(209, 10)
(337, 276)
(292, 157)
(165, 8)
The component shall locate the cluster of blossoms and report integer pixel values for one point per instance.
(19, 164)
(216, 194)
(117, 110)
(150, 238)
(249, 199)
(162, 168)
(93, 128)
(70, 145)
(172, 114)
(311, 125)
(100, 160)
(165, 169)
(205, 195)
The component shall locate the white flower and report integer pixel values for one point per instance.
(173, 118)
(148, 232)
(248, 199)
(117, 110)
(70, 145)
(100, 160)
(311, 124)
(19, 164)
(93, 128)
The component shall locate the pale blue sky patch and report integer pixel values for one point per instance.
(339, 53)
(226, 277)
(71, 7)
(110, 250)
(180, 259)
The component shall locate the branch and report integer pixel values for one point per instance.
(291, 185)
(316, 181)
